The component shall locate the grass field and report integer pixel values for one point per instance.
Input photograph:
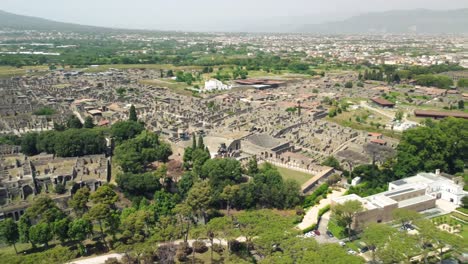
(8, 71)
(4, 249)
(298, 176)
(102, 68)
(178, 87)
(348, 119)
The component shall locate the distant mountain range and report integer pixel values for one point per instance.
(20, 22)
(400, 21)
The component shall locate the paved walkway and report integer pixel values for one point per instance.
(322, 228)
(311, 215)
(79, 116)
(97, 260)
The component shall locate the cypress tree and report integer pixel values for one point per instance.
(201, 145)
(88, 122)
(133, 114)
(194, 142)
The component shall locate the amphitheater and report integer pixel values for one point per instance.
(265, 146)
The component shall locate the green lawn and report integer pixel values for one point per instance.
(348, 119)
(336, 230)
(178, 87)
(460, 216)
(298, 176)
(8, 71)
(106, 67)
(4, 249)
(452, 221)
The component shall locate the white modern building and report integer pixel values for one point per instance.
(215, 85)
(418, 193)
(436, 186)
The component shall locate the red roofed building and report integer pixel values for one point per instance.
(379, 142)
(383, 103)
(376, 135)
(438, 114)
(103, 123)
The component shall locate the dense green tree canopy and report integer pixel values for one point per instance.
(41, 234)
(45, 210)
(434, 80)
(124, 130)
(79, 229)
(88, 122)
(442, 145)
(139, 184)
(463, 83)
(74, 122)
(221, 172)
(134, 154)
(9, 232)
(68, 143)
(344, 213)
(79, 201)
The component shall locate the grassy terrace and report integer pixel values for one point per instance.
(448, 219)
(348, 119)
(298, 176)
(102, 68)
(178, 87)
(8, 71)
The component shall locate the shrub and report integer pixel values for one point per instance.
(44, 111)
(181, 256)
(166, 253)
(184, 247)
(298, 219)
(310, 228)
(199, 247)
(299, 211)
(237, 246)
(60, 188)
(218, 248)
(315, 197)
(128, 259)
(323, 210)
(112, 261)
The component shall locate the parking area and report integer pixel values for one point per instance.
(322, 228)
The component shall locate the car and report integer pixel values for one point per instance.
(363, 249)
(330, 234)
(409, 227)
(351, 252)
(317, 232)
(342, 243)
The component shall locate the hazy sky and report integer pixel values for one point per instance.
(207, 15)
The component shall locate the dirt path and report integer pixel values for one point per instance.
(390, 115)
(102, 259)
(97, 260)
